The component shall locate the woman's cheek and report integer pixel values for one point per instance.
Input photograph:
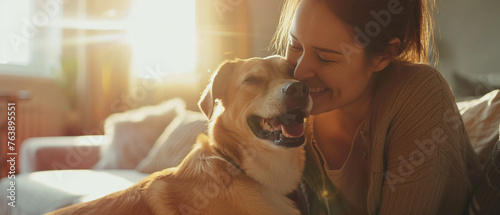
(292, 60)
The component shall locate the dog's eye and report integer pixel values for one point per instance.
(252, 80)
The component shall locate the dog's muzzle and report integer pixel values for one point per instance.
(286, 129)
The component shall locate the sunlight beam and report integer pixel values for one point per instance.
(162, 34)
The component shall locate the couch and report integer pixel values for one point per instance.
(60, 171)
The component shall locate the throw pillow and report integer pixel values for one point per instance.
(481, 119)
(132, 134)
(175, 142)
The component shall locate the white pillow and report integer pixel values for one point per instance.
(175, 142)
(481, 119)
(131, 134)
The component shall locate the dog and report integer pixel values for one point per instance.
(251, 159)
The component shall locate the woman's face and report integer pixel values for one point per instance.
(327, 60)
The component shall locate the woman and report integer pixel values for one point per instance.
(386, 135)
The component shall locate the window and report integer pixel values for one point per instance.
(28, 43)
(162, 34)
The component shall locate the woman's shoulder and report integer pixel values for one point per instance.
(407, 84)
(413, 73)
(411, 78)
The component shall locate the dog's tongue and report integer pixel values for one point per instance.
(291, 129)
(294, 129)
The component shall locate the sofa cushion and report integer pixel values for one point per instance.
(175, 142)
(45, 191)
(65, 152)
(481, 119)
(133, 133)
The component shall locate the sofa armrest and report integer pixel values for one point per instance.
(54, 153)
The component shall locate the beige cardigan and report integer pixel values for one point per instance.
(421, 161)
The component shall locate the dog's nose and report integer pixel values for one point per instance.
(296, 90)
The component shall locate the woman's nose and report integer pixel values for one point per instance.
(303, 69)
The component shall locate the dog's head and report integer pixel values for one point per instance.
(258, 98)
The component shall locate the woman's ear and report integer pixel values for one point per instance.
(381, 61)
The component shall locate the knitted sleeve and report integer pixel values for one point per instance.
(426, 149)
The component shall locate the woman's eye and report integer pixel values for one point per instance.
(324, 60)
(295, 47)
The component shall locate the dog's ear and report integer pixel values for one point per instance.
(216, 87)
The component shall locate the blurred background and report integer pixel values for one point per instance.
(72, 63)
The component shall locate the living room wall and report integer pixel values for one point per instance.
(469, 44)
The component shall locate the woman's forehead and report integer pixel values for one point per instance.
(314, 23)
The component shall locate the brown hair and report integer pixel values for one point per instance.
(412, 23)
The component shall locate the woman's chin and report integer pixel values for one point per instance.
(313, 112)
(318, 109)
(323, 104)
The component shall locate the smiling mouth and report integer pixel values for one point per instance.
(284, 130)
(317, 89)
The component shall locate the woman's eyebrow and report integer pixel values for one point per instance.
(320, 49)
(326, 50)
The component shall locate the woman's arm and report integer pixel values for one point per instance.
(427, 151)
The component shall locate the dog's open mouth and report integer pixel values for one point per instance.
(284, 130)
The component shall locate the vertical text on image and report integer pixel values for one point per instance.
(11, 152)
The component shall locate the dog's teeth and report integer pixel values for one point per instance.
(265, 125)
(316, 89)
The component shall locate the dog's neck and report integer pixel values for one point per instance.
(228, 158)
(278, 170)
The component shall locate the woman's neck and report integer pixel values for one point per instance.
(346, 120)
(355, 113)
(351, 115)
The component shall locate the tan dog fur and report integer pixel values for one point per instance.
(205, 182)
